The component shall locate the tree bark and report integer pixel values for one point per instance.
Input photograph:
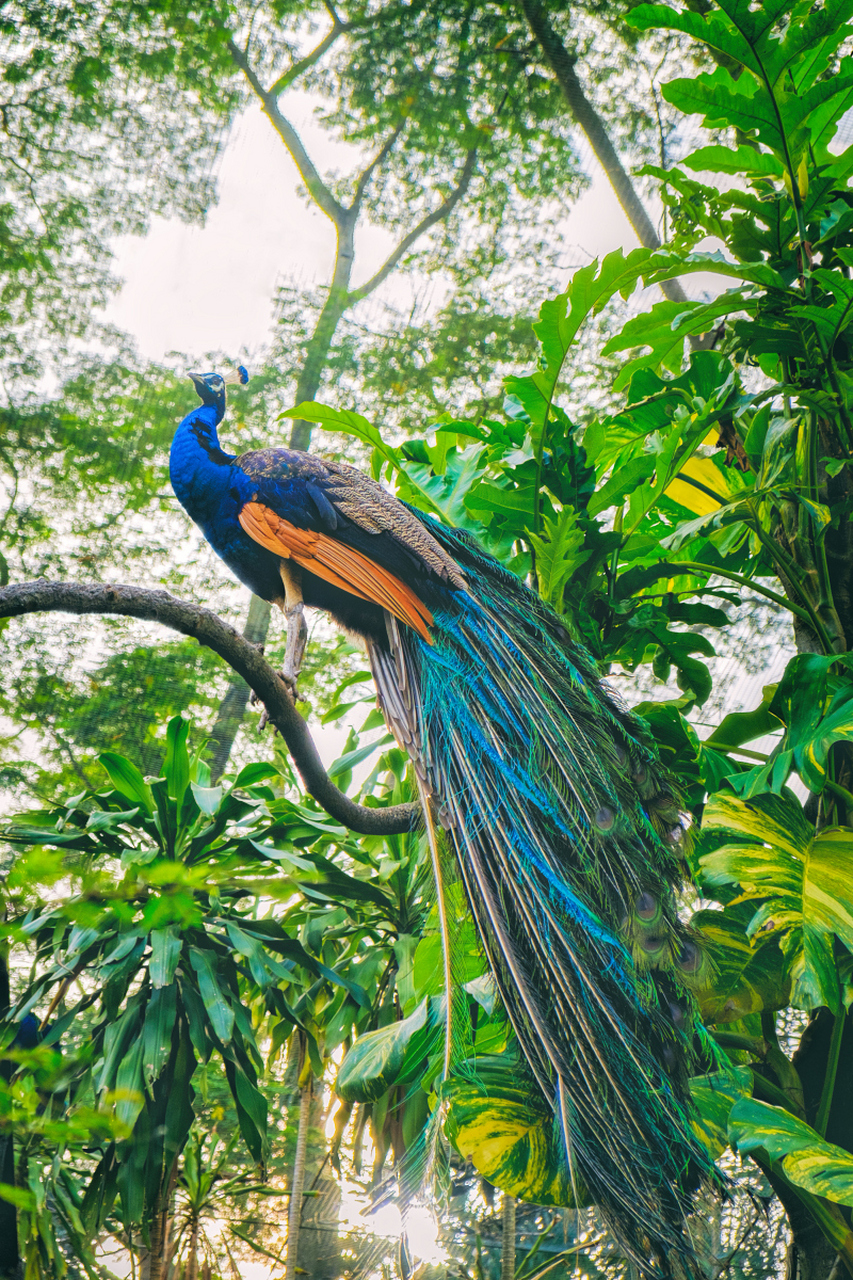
(241, 656)
(232, 708)
(10, 1258)
(192, 1261)
(297, 1185)
(562, 63)
(319, 1253)
(151, 1266)
(508, 1238)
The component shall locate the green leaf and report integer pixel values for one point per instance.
(714, 1096)
(345, 421)
(216, 1005)
(251, 774)
(107, 819)
(130, 1098)
(165, 954)
(746, 976)
(251, 1108)
(803, 879)
(807, 1159)
(729, 513)
(208, 799)
(127, 780)
(157, 1032)
(739, 727)
(376, 1059)
(350, 759)
(736, 160)
(560, 320)
(624, 480)
(18, 1196)
(817, 709)
(503, 1125)
(559, 552)
(176, 766)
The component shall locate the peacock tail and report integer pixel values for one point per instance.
(570, 845)
(566, 830)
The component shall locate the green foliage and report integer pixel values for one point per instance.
(807, 1160)
(159, 925)
(721, 468)
(71, 98)
(639, 524)
(801, 879)
(501, 1122)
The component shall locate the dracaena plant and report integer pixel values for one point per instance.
(139, 905)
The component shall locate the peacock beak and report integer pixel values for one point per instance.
(198, 382)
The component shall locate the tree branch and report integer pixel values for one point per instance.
(444, 210)
(373, 166)
(562, 63)
(243, 657)
(287, 78)
(320, 193)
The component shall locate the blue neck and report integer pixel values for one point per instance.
(199, 468)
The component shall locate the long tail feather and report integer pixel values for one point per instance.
(568, 840)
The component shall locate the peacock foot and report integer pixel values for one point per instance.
(297, 638)
(290, 680)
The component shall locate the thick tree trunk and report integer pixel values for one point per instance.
(151, 1263)
(319, 1238)
(192, 1261)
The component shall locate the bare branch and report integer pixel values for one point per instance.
(287, 78)
(243, 657)
(443, 211)
(320, 193)
(377, 160)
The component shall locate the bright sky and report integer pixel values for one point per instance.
(198, 289)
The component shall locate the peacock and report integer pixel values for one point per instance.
(567, 831)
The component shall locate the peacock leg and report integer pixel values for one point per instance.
(297, 628)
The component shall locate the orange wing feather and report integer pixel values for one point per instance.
(338, 564)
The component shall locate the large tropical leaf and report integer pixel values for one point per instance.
(803, 879)
(714, 1096)
(377, 1058)
(807, 1159)
(502, 1124)
(746, 975)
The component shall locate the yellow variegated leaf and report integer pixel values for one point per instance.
(803, 880)
(505, 1128)
(807, 1159)
(714, 1096)
(745, 977)
(704, 472)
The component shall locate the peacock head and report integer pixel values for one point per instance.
(211, 387)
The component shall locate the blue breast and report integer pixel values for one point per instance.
(212, 489)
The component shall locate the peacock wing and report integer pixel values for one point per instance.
(373, 509)
(296, 490)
